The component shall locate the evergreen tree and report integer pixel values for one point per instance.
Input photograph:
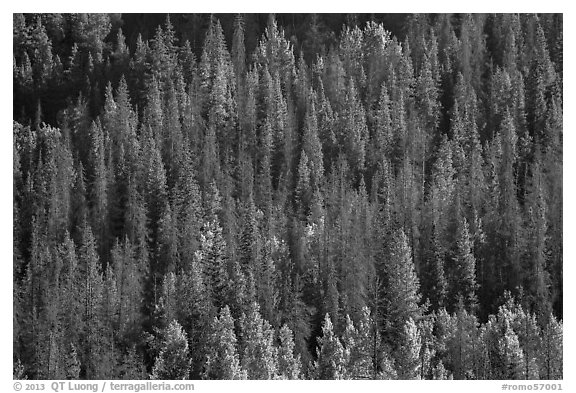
(274, 52)
(258, 354)
(537, 276)
(551, 366)
(289, 366)
(529, 334)
(382, 138)
(354, 131)
(463, 345)
(239, 54)
(212, 253)
(130, 275)
(331, 356)
(408, 356)
(71, 308)
(91, 294)
(99, 186)
(464, 274)
(132, 366)
(167, 248)
(358, 345)
(187, 211)
(512, 355)
(402, 290)
(222, 360)
(434, 283)
(173, 361)
(194, 308)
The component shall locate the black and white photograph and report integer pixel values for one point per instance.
(287, 196)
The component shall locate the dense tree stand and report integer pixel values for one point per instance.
(287, 197)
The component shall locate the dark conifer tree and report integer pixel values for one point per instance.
(537, 276)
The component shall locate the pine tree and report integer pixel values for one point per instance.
(402, 289)
(59, 183)
(267, 292)
(218, 87)
(135, 224)
(463, 345)
(166, 307)
(91, 291)
(428, 347)
(303, 189)
(105, 351)
(79, 208)
(512, 355)
(264, 177)
(552, 164)
(212, 252)
(408, 356)
(464, 275)
(331, 357)
(71, 307)
(382, 138)
(239, 54)
(354, 131)
(427, 98)
(540, 77)
(258, 354)
(289, 366)
(295, 313)
(551, 361)
(194, 310)
(153, 115)
(278, 116)
(210, 160)
(172, 138)
(443, 186)
(434, 283)
(275, 52)
(167, 248)
(43, 56)
(537, 277)
(121, 54)
(387, 369)
(187, 212)
(358, 345)
(132, 366)
(440, 372)
(100, 186)
(222, 360)
(163, 52)
(250, 241)
(173, 361)
(311, 143)
(529, 334)
(72, 365)
(31, 299)
(130, 273)
(311, 166)
(508, 220)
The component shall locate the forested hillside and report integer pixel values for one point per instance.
(287, 197)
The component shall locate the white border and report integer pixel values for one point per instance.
(251, 6)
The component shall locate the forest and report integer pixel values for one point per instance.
(291, 196)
